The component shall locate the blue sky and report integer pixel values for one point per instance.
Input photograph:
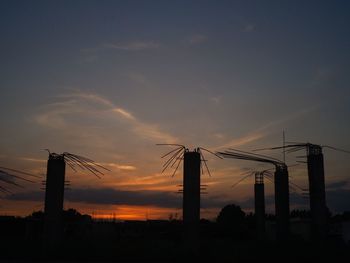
(109, 79)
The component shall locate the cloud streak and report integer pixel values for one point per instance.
(264, 130)
(133, 46)
(249, 28)
(35, 160)
(122, 167)
(242, 140)
(126, 46)
(124, 113)
(58, 114)
(197, 39)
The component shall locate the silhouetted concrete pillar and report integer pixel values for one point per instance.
(191, 191)
(191, 199)
(318, 206)
(282, 202)
(53, 225)
(259, 199)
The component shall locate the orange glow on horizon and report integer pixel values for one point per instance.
(107, 212)
(126, 212)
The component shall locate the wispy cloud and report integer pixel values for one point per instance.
(124, 113)
(134, 46)
(137, 78)
(243, 140)
(52, 115)
(156, 181)
(33, 160)
(90, 105)
(245, 25)
(249, 28)
(323, 76)
(264, 130)
(87, 96)
(216, 99)
(152, 131)
(91, 58)
(120, 166)
(125, 46)
(197, 39)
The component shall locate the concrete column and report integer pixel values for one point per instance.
(318, 207)
(191, 191)
(259, 193)
(191, 201)
(53, 225)
(282, 202)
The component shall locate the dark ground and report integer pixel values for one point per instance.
(157, 241)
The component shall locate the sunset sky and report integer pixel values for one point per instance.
(111, 79)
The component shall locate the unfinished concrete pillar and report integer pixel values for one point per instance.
(282, 202)
(259, 194)
(191, 191)
(191, 200)
(318, 206)
(53, 224)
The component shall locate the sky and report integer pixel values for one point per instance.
(111, 79)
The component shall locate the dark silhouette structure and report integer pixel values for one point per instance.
(191, 188)
(317, 192)
(228, 240)
(192, 170)
(281, 201)
(281, 184)
(54, 195)
(259, 204)
(259, 199)
(318, 208)
(191, 199)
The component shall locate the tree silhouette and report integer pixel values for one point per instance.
(231, 215)
(234, 223)
(296, 213)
